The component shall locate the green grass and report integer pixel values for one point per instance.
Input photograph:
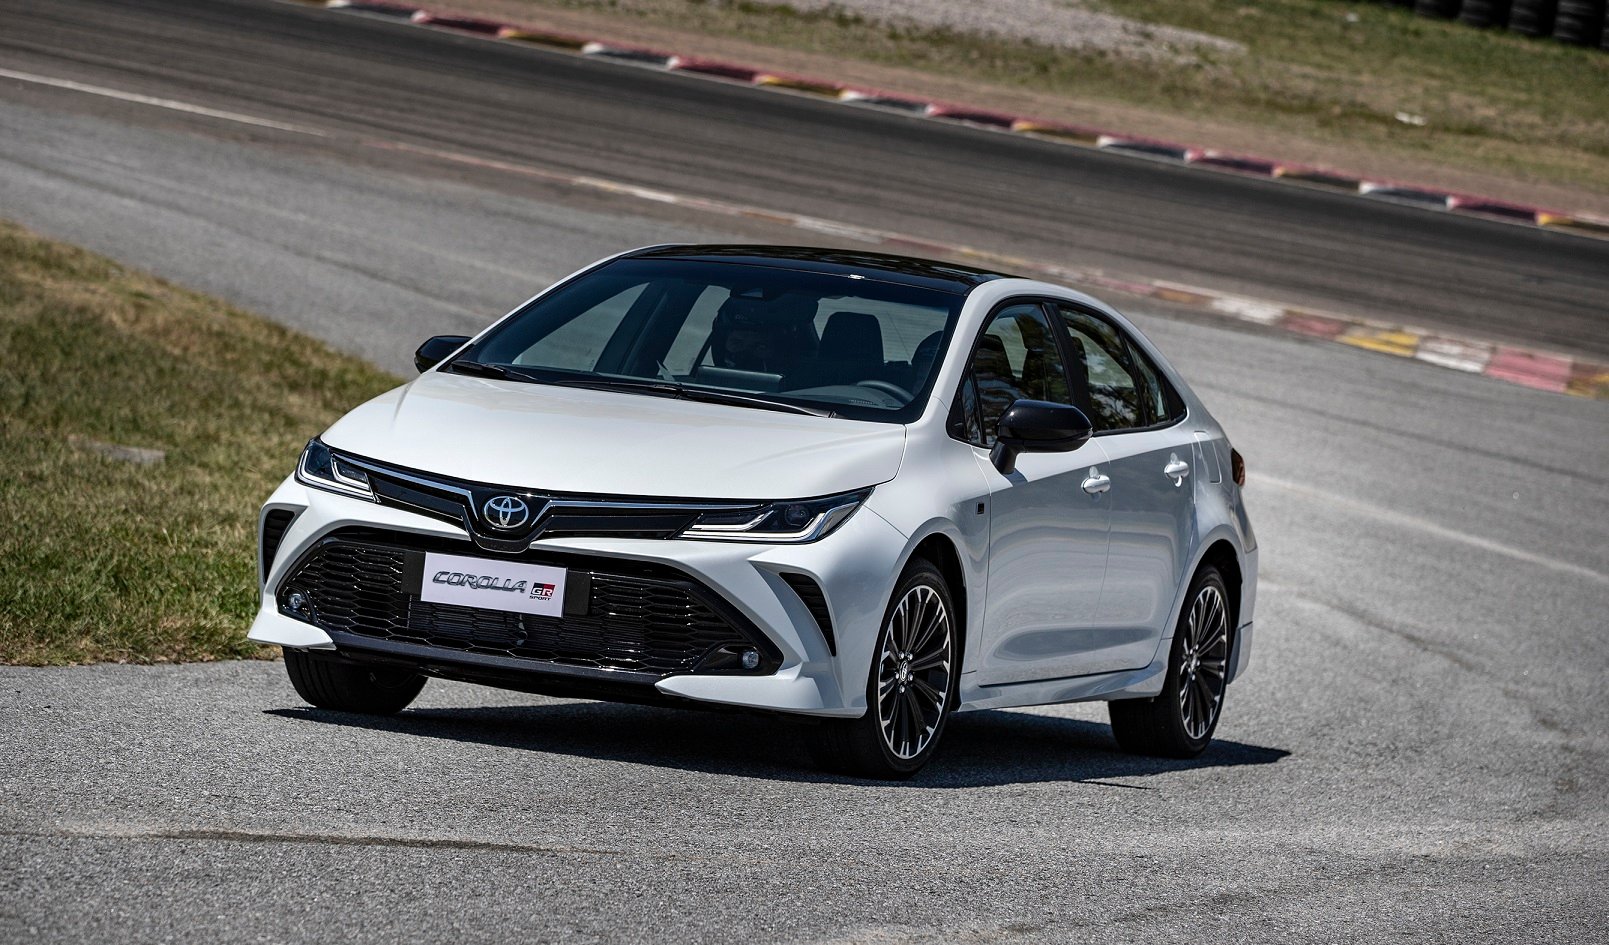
(1491, 99)
(102, 559)
(1494, 102)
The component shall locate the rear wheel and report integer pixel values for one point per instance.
(349, 687)
(910, 690)
(1180, 721)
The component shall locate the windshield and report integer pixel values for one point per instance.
(852, 346)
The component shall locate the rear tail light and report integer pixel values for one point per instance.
(1237, 467)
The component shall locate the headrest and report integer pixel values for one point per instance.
(852, 336)
(991, 359)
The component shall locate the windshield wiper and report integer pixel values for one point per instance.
(744, 400)
(485, 369)
(661, 388)
(657, 388)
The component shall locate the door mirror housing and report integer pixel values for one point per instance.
(1037, 426)
(434, 351)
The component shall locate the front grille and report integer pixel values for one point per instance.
(633, 618)
(462, 502)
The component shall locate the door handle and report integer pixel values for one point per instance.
(1095, 483)
(1176, 469)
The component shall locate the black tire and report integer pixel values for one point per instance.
(1483, 13)
(1161, 726)
(1578, 22)
(861, 747)
(329, 683)
(1532, 17)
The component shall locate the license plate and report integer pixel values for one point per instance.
(492, 585)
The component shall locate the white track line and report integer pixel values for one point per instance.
(1390, 516)
(167, 103)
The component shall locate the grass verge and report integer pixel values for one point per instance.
(1321, 80)
(1344, 71)
(106, 559)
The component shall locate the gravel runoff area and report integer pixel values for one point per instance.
(1064, 23)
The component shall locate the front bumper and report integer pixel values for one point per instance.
(813, 674)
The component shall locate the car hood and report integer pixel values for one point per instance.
(560, 439)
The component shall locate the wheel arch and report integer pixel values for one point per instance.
(1220, 547)
(941, 550)
(1223, 555)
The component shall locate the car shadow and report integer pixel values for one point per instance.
(980, 749)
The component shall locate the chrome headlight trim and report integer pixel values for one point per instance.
(320, 468)
(791, 522)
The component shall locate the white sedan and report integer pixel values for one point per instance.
(867, 489)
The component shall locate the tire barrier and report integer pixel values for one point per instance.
(1577, 22)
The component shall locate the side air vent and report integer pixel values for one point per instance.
(816, 602)
(274, 525)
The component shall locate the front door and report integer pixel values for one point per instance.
(1048, 518)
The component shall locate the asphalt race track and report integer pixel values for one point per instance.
(365, 76)
(1419, 752)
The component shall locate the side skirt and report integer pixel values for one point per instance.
(1127, 684)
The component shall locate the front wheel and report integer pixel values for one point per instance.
(910, 690)
(350, 687)
(1180, 721)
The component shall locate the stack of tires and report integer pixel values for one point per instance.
(1578, 22)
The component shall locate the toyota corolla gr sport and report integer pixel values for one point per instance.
(864, 489)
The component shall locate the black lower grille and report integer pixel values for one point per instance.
(641, 619)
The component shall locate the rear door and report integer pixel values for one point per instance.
(1150, 457)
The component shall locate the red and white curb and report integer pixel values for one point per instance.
(1529, 368)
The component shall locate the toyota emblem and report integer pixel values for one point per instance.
(505, 511)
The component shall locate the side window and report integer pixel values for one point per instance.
(965, 423)
(1016, 358)
(1162, 402)
(1116, 394)
(581, 340)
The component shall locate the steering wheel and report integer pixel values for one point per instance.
(892, 390)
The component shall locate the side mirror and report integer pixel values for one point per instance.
(1035, 426)
(432, 352)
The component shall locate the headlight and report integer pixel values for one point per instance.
(322, 469)
(780, 522)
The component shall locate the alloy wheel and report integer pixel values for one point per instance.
(1203, 662)
(913, 672)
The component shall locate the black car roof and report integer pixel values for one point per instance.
(927, 273)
